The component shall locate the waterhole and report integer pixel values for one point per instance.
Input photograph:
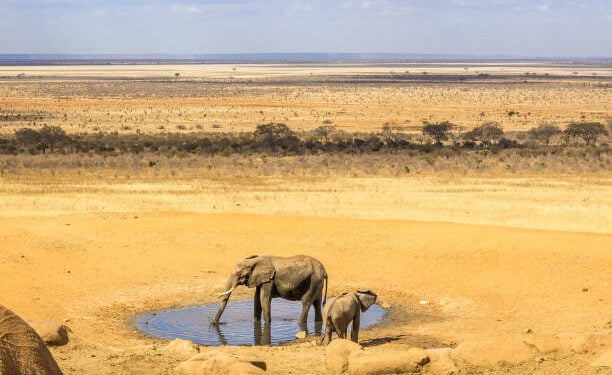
(237, 325)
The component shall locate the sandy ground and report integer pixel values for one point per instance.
(95, 271)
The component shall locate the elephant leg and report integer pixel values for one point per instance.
(257, 305)
(355, 329)
(265, 298)
(308, 299)
(328, 333)
(341, 329)
(317, 308)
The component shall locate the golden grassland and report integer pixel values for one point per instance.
(577, 198)
(354, 97)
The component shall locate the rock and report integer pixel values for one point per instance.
(387, 361)
(52, 333)
(180, 349)
(385, 305)
(217, 363)
(545, 344)
(489, 352)
(337, 355)
(344, 356)
(528, 331)
(604, 360)
(300, 335)
(441, 362)
(580, 343)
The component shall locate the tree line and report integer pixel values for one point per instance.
(279, 139)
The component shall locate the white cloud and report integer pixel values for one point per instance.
(376, 7)
(186, 9)
(543, 7)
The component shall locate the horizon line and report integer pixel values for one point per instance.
(288, 56)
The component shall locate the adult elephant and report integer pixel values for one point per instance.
(22, 351)
(296, 278)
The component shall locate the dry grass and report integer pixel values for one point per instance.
(353, 97)
(363, 186)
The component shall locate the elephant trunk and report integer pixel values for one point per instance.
(232, 283)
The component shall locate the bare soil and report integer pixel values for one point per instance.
(96, 271)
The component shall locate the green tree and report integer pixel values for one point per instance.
(588, 131)
(544, 132)
(438, 132)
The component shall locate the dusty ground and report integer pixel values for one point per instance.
(97, 266)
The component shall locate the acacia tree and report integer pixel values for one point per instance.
(486, 133)
(276, 135)
(27, 137)
(391, 134)
(544, 132)
(438, 132)
(323, 132)
(588, 131)
(51, 136)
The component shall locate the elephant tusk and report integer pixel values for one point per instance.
(219, 295)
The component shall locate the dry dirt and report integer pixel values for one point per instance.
(96, 269)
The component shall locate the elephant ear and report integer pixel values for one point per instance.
(366, 298)
(262, 272)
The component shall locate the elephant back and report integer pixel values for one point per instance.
(22, 351)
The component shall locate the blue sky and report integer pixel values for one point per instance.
(527, 28)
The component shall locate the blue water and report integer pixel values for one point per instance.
(237, 325)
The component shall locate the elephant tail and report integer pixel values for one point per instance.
(325, 297)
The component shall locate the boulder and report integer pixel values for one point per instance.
(344, 356)
(337, 355)
(381, 361)
(217, 363)
(491, 351)
(604, 359)
(545, 344)
(181, 349)
(581, 343)
(441, 362)
(52, 333)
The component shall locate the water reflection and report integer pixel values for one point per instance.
(237, 326)
(262, 335)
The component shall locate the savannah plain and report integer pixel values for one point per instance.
(506, 259)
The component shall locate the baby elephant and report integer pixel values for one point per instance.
(344, 309)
